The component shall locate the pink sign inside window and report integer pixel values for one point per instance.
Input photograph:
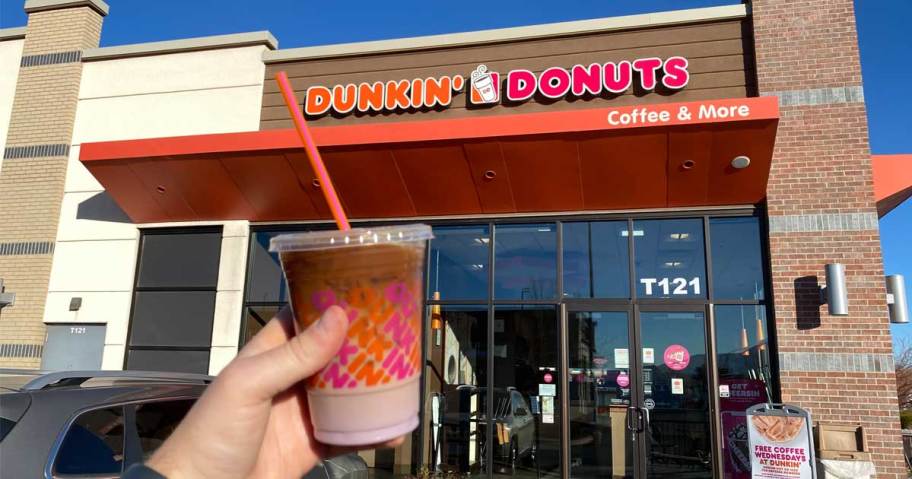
(676, 357)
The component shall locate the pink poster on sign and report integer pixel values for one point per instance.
(676, 357)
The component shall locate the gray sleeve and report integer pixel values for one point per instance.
(141, 471)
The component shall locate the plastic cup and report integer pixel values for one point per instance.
(369, 393)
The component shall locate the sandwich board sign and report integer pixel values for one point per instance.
(779, 436)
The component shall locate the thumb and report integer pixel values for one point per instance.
(301, 357)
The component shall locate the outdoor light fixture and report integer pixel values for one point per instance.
(740, 162)
(6, 299)
(834, 294)
(75, 303)
(896, 299)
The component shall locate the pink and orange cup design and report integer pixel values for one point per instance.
(383, 342)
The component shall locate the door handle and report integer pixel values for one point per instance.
(632, 418)
(636, 421)
(645, 418)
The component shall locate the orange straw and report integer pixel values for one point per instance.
(316, 162)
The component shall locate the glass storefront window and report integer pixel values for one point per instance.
(737, 260)
(606, 372)
(255, 319)
(265, 282)
(526, 441)
(744, 370)
(458, 261)
(670, 261)
(525, 261)
(596, 260)
(455, 380)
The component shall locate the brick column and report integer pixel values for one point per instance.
(35, 163)
(821, 210)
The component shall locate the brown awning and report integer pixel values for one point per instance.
(556, 161)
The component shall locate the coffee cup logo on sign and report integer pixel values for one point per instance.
(676, 357)
(485, 85)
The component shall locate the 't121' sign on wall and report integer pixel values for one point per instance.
(486, 87)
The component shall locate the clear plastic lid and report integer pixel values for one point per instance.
(316, 240)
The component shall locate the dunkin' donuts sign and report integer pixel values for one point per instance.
(489, 87)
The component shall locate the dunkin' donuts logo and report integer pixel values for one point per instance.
(488, 87)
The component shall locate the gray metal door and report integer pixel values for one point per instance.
(73, 347)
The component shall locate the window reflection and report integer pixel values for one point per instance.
(455, 378)
(736, 258)
(525, 261)
(596, 260)
(527, 421)
(744, 369)
(458, 260)
(670, 260)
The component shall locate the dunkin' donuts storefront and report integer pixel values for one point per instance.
(628, 234)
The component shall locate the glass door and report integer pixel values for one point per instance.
(638, 402)
(601, 387)
(675, 428)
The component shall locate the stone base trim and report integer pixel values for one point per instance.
(51, 58)
(27, 248)
(819, 96)
(823, 222)
(10, 350)
(36, 151)
(840, 362)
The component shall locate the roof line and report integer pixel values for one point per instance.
(234, 40)
(674, 17)
(32, 6)
(15, 33)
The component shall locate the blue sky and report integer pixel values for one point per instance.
(882, 26)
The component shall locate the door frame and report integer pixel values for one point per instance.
(637, 395)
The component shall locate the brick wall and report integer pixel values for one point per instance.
(34, 169)
(821, 210)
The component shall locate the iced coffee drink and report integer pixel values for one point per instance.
(369, 392)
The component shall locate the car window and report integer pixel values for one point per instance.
(155, 421)
(519, 404)
(93, 444)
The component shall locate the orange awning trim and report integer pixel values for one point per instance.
(892, 181)
(653, 156)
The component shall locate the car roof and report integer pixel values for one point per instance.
(28, 380)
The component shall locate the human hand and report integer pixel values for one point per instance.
(253, 420)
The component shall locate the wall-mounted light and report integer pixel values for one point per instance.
(75, 303)
(896, 299)
(6, 299)
(834, 294)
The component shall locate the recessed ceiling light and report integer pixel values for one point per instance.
(679, 236)
(673, 264)
(636, 233)
(740, 162)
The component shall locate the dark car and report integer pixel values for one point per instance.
(96, 423)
